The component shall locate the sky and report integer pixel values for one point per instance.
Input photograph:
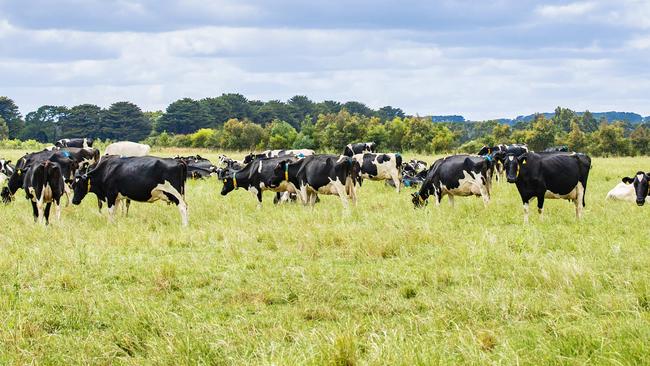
(480, 59)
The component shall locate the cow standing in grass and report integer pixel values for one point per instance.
(549, 175)
(456, 175)
(43, 184)
(140, 179)
(381, 167)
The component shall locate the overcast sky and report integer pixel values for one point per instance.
(481, 59)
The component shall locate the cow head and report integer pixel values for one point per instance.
(5, 168)
(513, 166)
(418, 200)
(641, 186)
(229, 183)
(80, 187)
(280, 173)
(249, 158)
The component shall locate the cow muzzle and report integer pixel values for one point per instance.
(640, 203)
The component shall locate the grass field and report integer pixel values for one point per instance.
(380, 284)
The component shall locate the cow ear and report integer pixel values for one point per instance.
(627, 180)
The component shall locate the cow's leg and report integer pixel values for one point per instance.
(525, 212)
(312, 198)
(540, 205)
(68, 192)
(182, 205)
(58, 209)
(340, 191)
(99, 205)
(397, 181)
(580, 192)
(46, 214)
(485, 194)
(111, 203)
(278, 198)
(39, 206)
(35, 211)
(451, 200)
(127, 205)
(304, 195)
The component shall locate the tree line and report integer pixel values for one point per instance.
(233, 122)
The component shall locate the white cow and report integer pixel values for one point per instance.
(623, 192)
(127, 149)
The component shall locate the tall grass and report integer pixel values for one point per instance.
(379, 284)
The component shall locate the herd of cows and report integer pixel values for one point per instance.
(126, 172)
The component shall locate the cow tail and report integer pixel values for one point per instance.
(183, 177)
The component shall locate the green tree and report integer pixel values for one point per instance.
(609, 140)
(396, 129)
(419, 134)
(640, 139)
(82, 121)
(501, 133)
(443, 139)
(542, 134)
(153, 117)
(588, 123)
(334, 131)
(242, 135)
(358, 108)
(328, 107)
(576, 140)
(281, 135)
(388, 113)
(4, 130)
(124, 121)
(305, 138)
(183, 116)
(275, 109)
(563, 118)
(376, 132)
(44, 124)
(12, 117)
(301, 107)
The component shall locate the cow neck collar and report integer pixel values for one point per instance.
(286, 172)
(234, 179)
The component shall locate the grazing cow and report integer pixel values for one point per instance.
(44, 185)
(197, 167)
(6, 170)
(256, 177)
(623, 192)
(67, 165)
(381, 167)
(456, 175)
(360, 148)
(301, 153)
(549, 175)
(84, 142)
(641, 186)
(127, 149)
(140, 179)
(229, 163)
(325, 174)
(562, 148)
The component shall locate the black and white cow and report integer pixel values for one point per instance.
(140, 179)
(456, 175)
(66, 163)
(554, 175)
(381, 167)
(256, 178)
(230, 164)
(488, 150)
(84, 142)
(198, 167)
(6, 171)
(562, 148)
(641, 185)
(43, 184)
(325, 174)
(299, 153)
(360, 148)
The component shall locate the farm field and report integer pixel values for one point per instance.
(379, 284)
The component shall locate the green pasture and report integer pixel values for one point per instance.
(378, 284)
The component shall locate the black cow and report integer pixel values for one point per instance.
(141, 179)
(641, 186)
(43, 184)
(360, 148)
(66, 165)
(326, 174)
(562, 148)
(456, 175)
(299, 153)
(79, 142)
(549, 175)
(488, 150)
(256, 177)
(198, 167)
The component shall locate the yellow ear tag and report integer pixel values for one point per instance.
(19, 172)
(234, 181)
(523, 162)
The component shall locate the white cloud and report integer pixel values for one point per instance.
(567, 10)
